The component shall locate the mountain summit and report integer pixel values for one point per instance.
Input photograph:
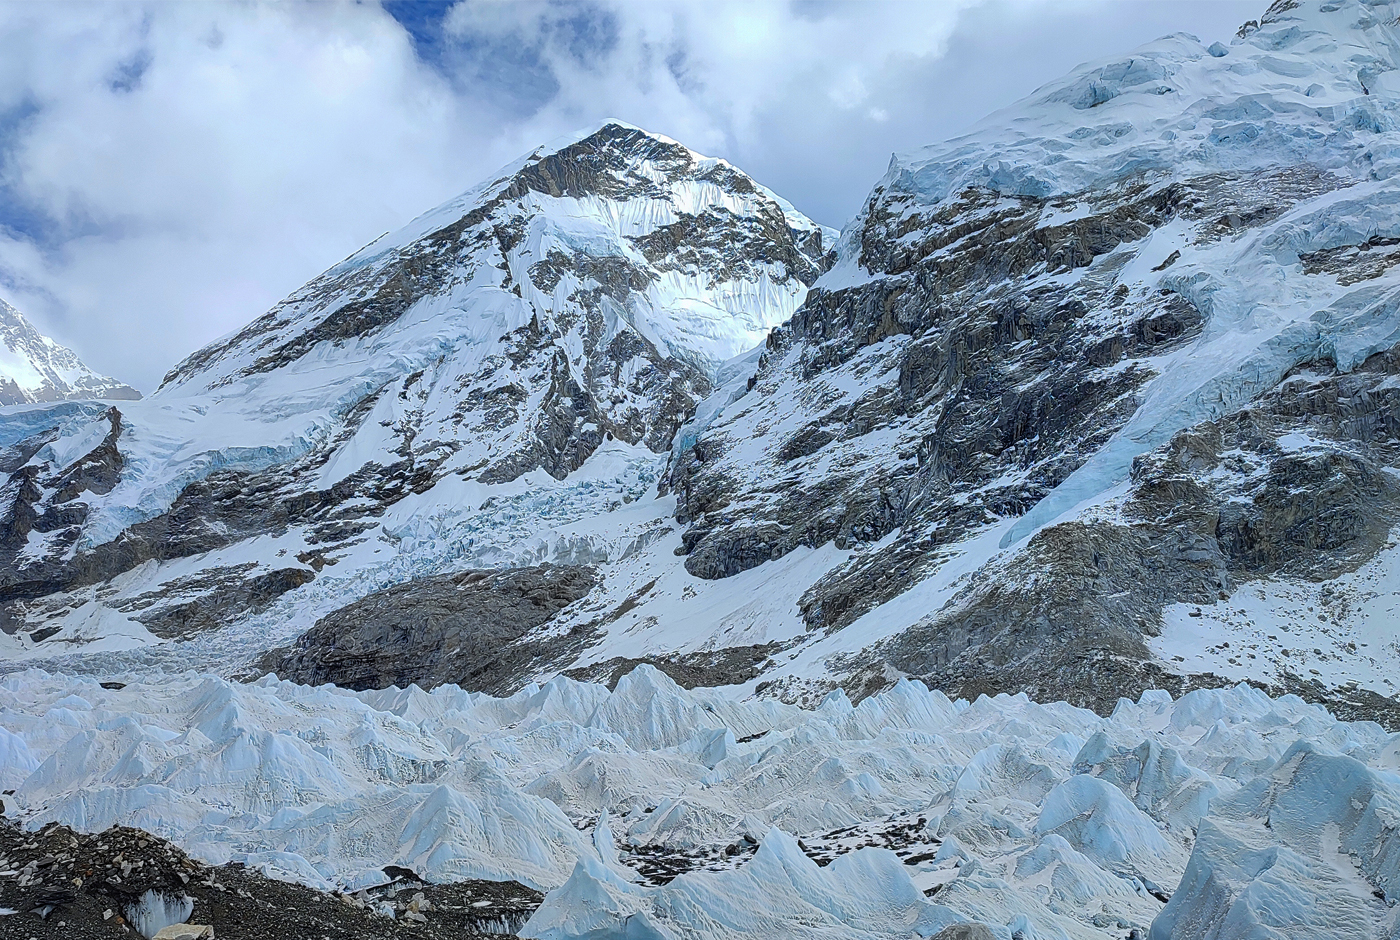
(588, 292)
(33, 368)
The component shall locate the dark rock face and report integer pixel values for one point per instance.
(49, 505)
(1224, 502)
(221, 509)
(471, 628)
(979, 395)
(983, 388)
(570, 415)
(965, 932)
(717, 239)
(221, 596)
(984, 353)
(61, 516)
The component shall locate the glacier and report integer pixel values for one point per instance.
(290, 403)
(896, 817)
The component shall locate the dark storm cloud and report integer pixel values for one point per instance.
(169, 171)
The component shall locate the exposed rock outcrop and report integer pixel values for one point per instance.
(89, 886)
(1305, 482)
(471, 628)
(732, 665)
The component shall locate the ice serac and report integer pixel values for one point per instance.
(1310, 849)
(652, 811)
(1183, 257)
(33, 368)
(539, 340)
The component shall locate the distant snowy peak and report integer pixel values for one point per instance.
(33, 368)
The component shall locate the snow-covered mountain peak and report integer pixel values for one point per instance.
(33, 368)
(695, 257)
(524, 353)
(587, 292)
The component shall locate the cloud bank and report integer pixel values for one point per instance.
(169, 171)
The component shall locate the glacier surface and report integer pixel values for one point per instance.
(895, 817)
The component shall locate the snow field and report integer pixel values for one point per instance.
(1336, 632)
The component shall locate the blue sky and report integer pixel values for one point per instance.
(168, 171)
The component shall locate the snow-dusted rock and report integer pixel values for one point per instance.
(1128, 347)
(1098, 399)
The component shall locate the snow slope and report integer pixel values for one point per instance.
(566, 261)
(1339, 631)
(1040, 820)
(33, 368)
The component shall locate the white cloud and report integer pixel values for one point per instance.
(169, 171)
(260, 144)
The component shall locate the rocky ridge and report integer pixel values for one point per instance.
(1096, 402)
(460, 628)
